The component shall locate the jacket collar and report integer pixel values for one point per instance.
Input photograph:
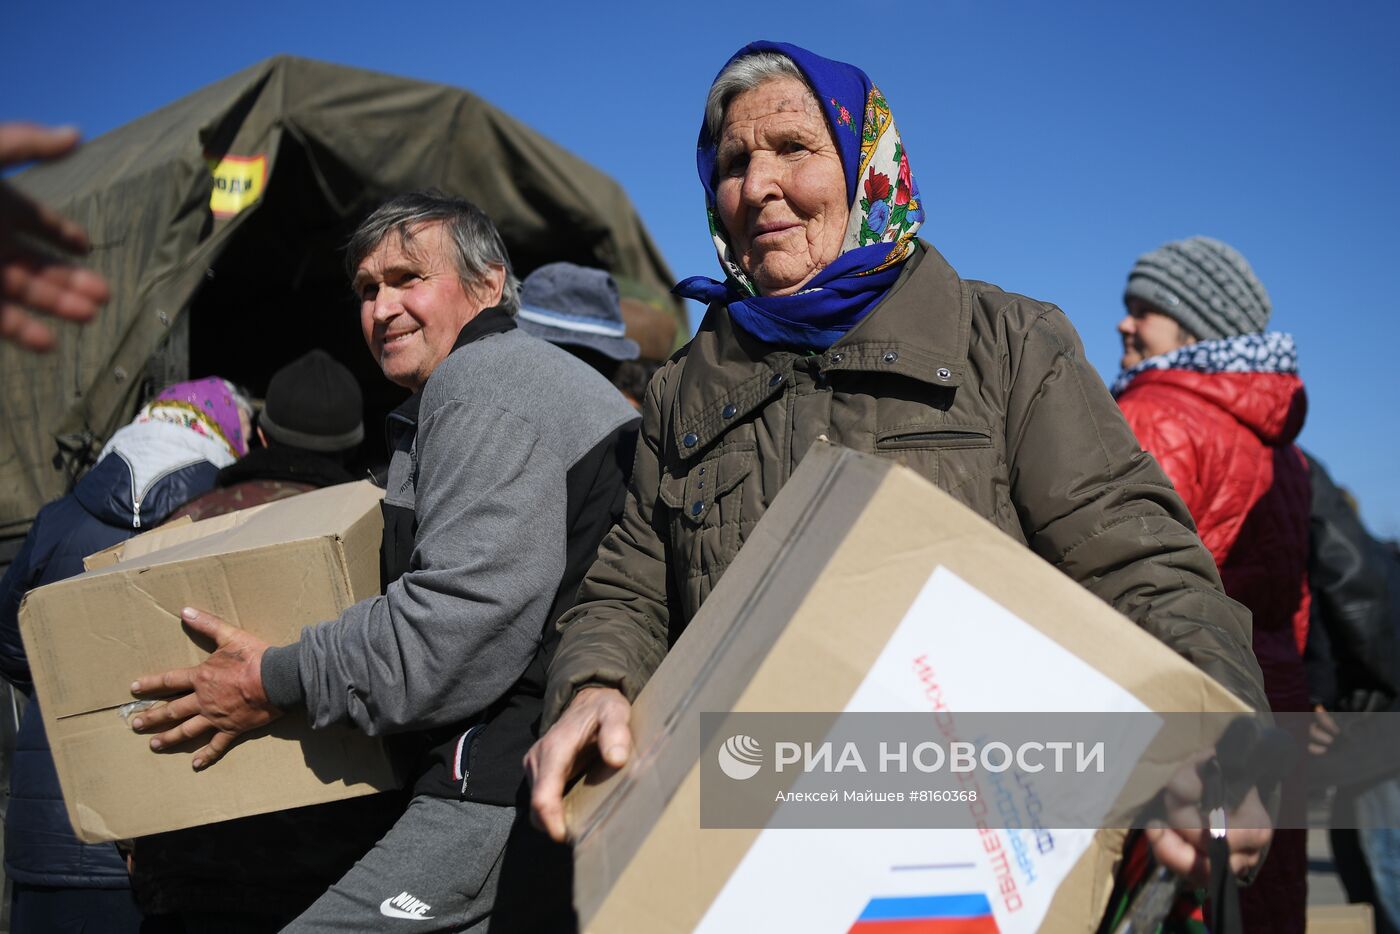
(920, 330)
(493, 320)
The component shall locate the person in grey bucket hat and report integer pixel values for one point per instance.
(574, 306)
(1203, 285)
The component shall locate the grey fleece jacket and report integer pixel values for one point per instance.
(501, 421)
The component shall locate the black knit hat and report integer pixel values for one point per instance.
(1204, 284)
(313, 403)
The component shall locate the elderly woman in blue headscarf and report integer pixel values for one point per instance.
(833, 321)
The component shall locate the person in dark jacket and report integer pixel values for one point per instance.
(1353, 667)
(1218, 401)
(169, 454)
(311, 422)
(1354, 616)
(258, 873)
(503, 477)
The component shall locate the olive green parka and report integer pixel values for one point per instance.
(985, 393)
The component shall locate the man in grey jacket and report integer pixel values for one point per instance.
(503, 479)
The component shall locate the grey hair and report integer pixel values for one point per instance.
(745, 74)
(476, 242)
(241, 397)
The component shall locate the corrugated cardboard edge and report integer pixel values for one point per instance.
(176, 532)
(714, 854)
(150, 547)
(362, 568)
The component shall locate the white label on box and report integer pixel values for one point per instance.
(851, 880)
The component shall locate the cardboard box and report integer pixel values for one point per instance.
(270, 569)
(857, 558)
(1341, 919)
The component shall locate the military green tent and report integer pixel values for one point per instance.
(219, 221)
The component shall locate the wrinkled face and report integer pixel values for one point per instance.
(1149, 333)
(412, 303)
(779, 186)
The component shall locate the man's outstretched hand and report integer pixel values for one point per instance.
(30, 279)
(227, 696)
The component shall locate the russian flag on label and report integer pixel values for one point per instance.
(927, 914)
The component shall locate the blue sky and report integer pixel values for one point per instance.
(1053, 141)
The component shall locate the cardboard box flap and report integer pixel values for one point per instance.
(113, 554)
(178, 531)
(325, 512)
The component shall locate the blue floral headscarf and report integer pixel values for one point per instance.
(886, 212)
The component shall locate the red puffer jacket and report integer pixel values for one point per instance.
(1226, 441)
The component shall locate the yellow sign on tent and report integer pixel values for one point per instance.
(238, 182)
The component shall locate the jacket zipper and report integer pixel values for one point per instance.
(464, 758)
(951, 437)
(934, 441)
(136, 497)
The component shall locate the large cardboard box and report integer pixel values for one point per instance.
(271, 569)
(858, 567)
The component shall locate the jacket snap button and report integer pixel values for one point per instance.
(944, 373)
(730, 410)
(890, 357)
(776, 379)
(690, 439)
(696, 508)
(837, 357)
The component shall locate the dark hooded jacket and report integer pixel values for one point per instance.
(149, 470)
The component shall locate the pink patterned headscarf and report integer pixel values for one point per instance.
(207, 406)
